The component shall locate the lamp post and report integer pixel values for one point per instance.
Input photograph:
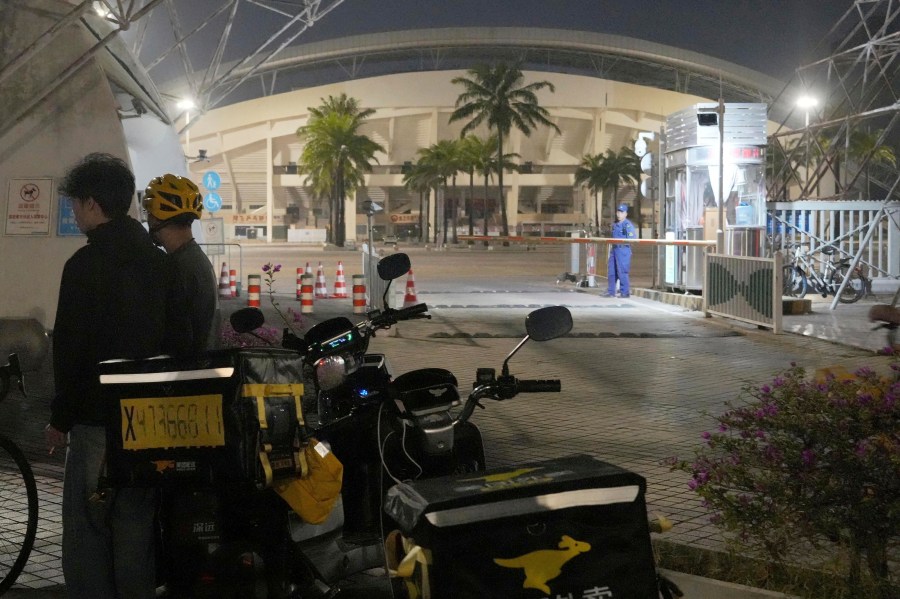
(720, 231)
(806, 103)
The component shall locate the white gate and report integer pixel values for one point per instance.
(846, 226)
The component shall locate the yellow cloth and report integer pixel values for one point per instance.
(312, 496)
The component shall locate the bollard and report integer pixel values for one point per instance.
(299, 281)
(359, 294)
(306, 294)
(254, 285)
(232, 282)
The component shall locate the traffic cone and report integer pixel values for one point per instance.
(410, 298)
(308, 270)
(224, 283)
(340, 285)
(359, 294)
(321, 285)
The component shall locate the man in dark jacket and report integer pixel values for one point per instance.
(111, 305)
(172, 204)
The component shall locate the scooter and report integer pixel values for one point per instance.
(888, 317)
(387, 430)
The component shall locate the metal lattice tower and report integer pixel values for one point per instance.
(839, 148)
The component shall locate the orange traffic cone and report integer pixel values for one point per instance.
(321, 286)
(224, 283)
(340, 285)
(410, 298)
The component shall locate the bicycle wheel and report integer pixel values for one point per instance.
(794, 282)
(19, 505)
(856, 286)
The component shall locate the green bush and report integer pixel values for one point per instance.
(802, 464)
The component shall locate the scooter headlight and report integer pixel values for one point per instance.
(332, 371)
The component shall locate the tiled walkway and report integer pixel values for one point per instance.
(638, 378)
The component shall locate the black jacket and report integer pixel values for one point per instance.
(193, 303)
(111, 305)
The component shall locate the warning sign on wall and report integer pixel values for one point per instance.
(28, 207)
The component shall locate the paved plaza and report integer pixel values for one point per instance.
(639, 377)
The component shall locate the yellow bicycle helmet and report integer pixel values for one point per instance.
(171, 196)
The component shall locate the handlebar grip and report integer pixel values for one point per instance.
(404, 313)
(538, 386)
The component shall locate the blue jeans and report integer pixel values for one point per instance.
(108, 547)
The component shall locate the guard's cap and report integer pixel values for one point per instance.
(622, 208)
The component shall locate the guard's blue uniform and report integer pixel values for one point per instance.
(620, 258)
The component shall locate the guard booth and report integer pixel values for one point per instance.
(692, 175)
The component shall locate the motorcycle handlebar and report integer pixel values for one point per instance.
(539, 386)
(504, 388)
(391, 316)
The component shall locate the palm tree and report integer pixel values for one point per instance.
(336, 156)
(422, 180)
(470, 149)
(494, 95)
(622, 168)
(866, 149)
(593, 174)
(440, 161)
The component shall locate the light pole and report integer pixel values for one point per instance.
(806, 103)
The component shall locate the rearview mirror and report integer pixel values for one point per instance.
(393, 266)
(246, 320)
(548, 323)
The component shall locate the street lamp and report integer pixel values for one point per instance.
(806, 103)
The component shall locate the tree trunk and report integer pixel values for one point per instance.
(421, 215)
(503, 219)
(471, 203)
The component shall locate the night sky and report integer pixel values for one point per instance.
(771, 36)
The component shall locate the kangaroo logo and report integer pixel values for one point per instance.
(544, 565)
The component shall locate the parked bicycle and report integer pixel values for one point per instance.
(18, 494)
(800, 274)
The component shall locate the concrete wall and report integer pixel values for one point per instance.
(77, 117)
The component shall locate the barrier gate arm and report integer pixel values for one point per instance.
(584, 240)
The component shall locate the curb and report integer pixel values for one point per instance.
(698, 587)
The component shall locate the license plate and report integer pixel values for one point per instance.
(172, 422)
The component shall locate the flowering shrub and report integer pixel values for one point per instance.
(263, 337)
(802, 462)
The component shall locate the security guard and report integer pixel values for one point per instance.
(620, 254)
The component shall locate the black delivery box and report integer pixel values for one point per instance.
(572, 527)
(230, 415)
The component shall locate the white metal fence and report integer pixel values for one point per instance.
(845, 226)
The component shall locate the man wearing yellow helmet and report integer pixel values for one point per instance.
(172, 204)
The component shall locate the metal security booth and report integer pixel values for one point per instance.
(692, 175)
